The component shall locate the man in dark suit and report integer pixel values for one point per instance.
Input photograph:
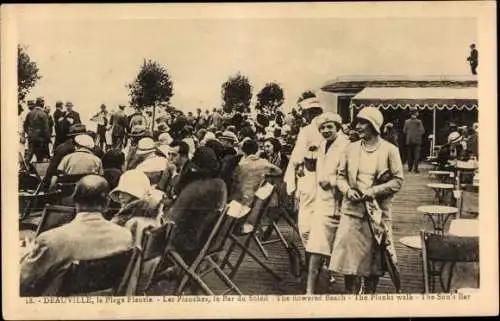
(473, 59)
(119, 123)
(413, 129)
(58, 126)
(89, 236)
(36, 126)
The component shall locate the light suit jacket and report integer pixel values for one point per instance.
(388, 158)
(89, 236)
(326, 200)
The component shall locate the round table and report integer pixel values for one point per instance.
(413, 242)
(438, 215)
(442, 176)
(441, 190)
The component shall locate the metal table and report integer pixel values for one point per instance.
(438, 215)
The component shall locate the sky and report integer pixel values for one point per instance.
(90, 62)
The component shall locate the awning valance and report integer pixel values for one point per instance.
(421, 98)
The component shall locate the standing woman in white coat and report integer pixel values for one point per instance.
(300, 176)
(326, 215)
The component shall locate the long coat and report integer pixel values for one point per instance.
(305, 187)
(36, 125)
(326, 214)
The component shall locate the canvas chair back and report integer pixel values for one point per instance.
(54, 216)
(445, 250)
(109, 273)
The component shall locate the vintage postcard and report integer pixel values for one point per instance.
(249, 160)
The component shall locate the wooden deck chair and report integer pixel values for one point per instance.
(213, 246)
(154, 253)
(100, 276)
(442, 251)
(66, 184)
(260, 205)
(33, 204)
(54, 216)
(277, 213)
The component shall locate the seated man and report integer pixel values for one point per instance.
(89, 236)
(250, 173)
(248, 176)
(82, 161)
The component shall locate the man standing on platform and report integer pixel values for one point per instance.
(413, 129)
(473, 59)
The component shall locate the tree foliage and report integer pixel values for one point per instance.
(306, 94)
(270, 97)
(27, 74)
(151, 86)
(236, 93)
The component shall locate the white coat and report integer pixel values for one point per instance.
(326, 212)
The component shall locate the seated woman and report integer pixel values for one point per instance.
(201, 193)
(112, 162)
(272, 152)
(140, 204)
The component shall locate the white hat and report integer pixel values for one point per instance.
(327, 118)
(145, 145)
(373, 115)
(165, 139)
(308, 103)
(85, 141)
(133, 182)
(208, 136)
(229, 135)
(454, 137)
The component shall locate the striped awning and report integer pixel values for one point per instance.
(441, 98)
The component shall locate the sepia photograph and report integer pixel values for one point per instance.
(211, 160)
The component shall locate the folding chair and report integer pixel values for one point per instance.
(110, 274)
(32, 204)
(66, 184)
(54, 216)
(154, 254)
(275, 214)
(213, 246)
(259, 207)
(440, 251)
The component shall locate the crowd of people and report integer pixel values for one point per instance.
(133, 172)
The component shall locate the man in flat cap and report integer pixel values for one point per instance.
(36, 126)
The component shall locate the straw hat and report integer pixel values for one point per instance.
(329, 117)
(84, 140)
(145, 145)
(373, 116)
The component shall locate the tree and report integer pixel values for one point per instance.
(306, 94)
(27, 74)
(151, 86)
(271, 97)
(236, 93)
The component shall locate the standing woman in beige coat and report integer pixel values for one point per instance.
(326, 214)
(356, 254)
